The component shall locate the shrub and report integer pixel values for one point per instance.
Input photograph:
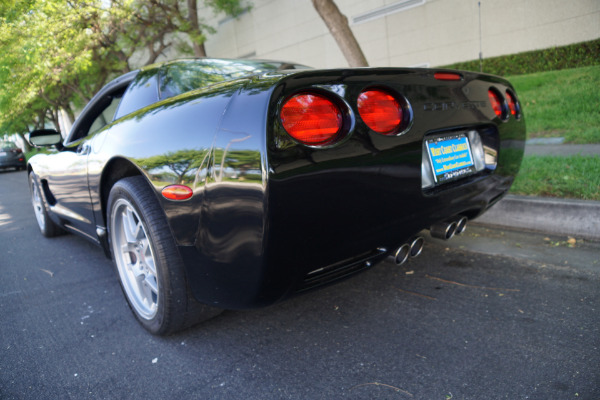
(551, 59)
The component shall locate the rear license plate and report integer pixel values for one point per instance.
(450, 157)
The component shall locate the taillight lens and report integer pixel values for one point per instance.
(496, 103)
(513, 106)
(177, 192)
(380, 111)
(312, 119)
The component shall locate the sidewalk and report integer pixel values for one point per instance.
(567, 217)
(562, 149)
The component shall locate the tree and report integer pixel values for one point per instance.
(55, 54)
(161, 24)
(196, 28)
(49, 59)
(337, 23)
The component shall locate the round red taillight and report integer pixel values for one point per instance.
(177, 192)
(312, 119)
(513, 106)
(496, 103)
(380, 111)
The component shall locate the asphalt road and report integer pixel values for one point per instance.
(458, 322)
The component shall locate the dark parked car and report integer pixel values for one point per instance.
(11, 156)
(231, 184)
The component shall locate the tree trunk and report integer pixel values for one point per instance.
(70, 113)
(339, 28)
(54, 118)
(199, 50)
(26, 146)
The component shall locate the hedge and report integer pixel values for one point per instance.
(572, 56)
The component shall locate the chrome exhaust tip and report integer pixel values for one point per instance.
(402, 254)
(443, 230)
(461, 225)
(416, 246)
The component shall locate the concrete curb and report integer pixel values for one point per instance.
(562, 149)
(577, 218)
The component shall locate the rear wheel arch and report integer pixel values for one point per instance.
(47, 226)
(115, 170)
(153, 279)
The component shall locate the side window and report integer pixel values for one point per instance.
(97, 114)
(107, 115)
(101, 109)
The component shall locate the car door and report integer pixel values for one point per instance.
(67, 171)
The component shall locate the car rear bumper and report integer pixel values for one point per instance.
(13, 163)
(305, 252)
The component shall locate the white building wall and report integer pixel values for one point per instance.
(437, 32)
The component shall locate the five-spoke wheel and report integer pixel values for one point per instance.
(135, 259)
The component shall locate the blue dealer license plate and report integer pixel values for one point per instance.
(450, 157)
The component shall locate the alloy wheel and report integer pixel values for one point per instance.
(135, 259)
(38, 205)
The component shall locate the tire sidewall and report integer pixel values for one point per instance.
(33, 181)
(123, 189)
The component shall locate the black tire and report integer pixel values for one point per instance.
(40, 207)
(149, 266)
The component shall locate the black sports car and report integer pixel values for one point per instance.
(220, 184)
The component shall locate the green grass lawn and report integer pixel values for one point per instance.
(576, 177)
(561, 103)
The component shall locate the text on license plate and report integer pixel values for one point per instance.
(450, 157)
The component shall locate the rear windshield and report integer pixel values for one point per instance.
(5, 146)
(183, 76)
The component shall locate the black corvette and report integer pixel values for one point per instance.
(220, 184)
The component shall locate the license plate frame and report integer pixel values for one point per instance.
(450, 157)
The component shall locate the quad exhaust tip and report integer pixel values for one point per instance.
(409, 250)
(416, 246)
(461, 225)
(402, 254)
(447, 229)
(443, 230)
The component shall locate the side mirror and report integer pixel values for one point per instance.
(44, 137)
